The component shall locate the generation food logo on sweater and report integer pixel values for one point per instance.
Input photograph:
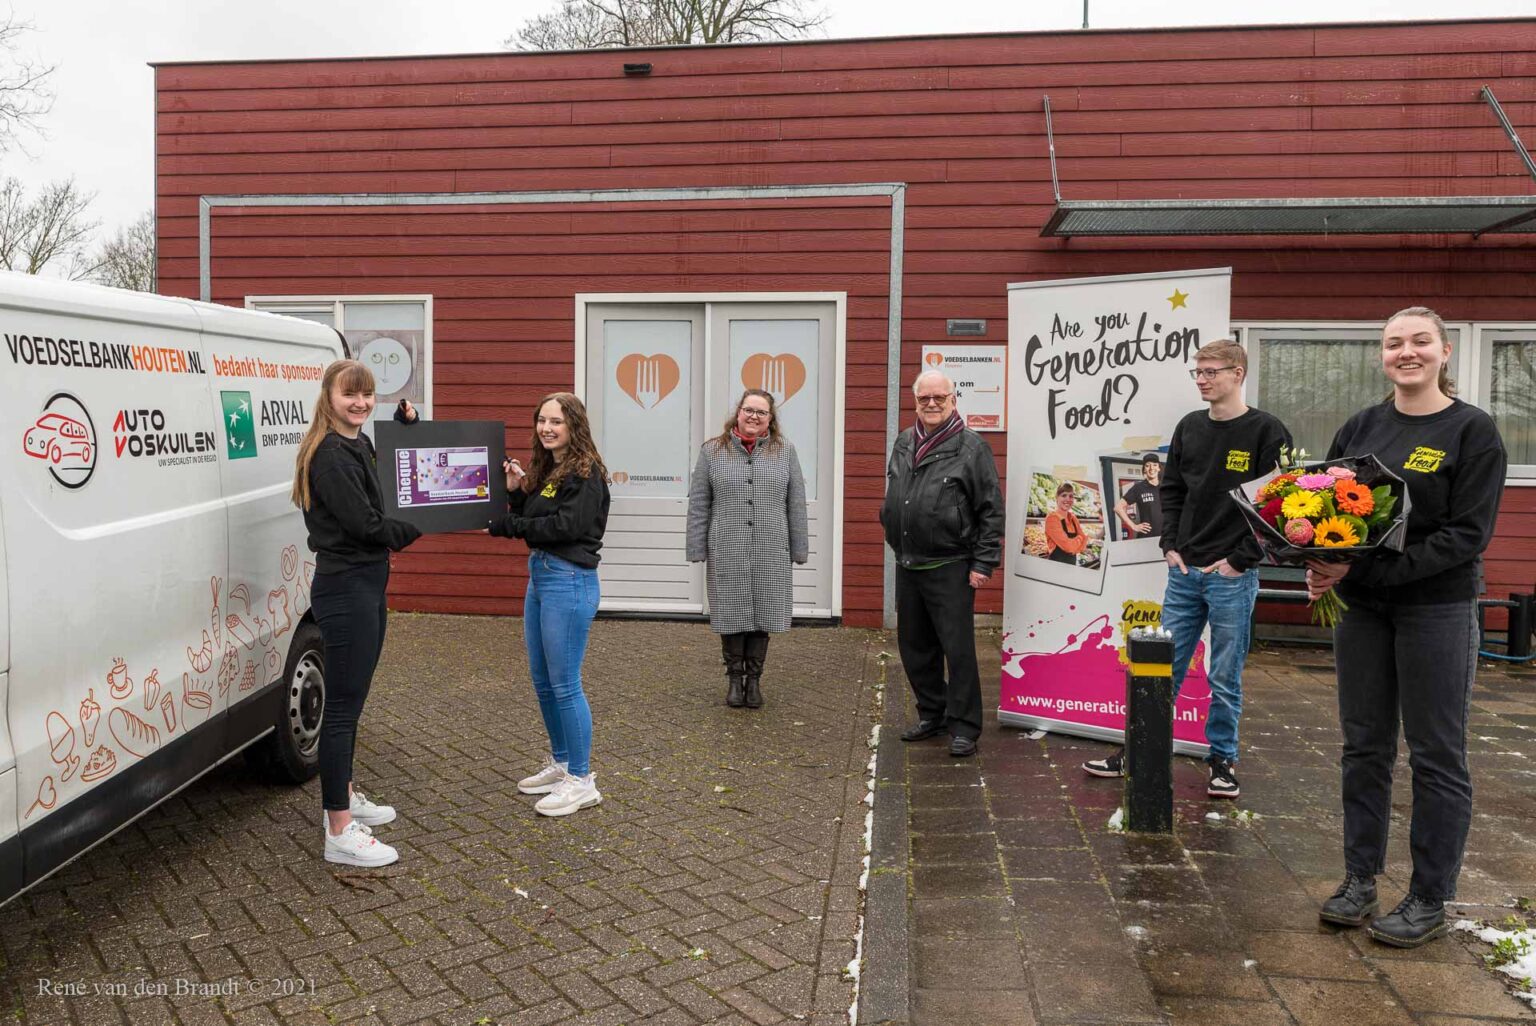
(1424, 460)
(1237, 459)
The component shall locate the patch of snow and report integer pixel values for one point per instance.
(1520, 943)
(1138, 933)
(1249, 963)
(1214, 816)
(1117, 821)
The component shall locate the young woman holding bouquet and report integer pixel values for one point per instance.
(1406, 647)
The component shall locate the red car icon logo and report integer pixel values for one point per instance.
(56, 437)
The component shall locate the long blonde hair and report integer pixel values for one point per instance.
(581, 456)
(349, 376)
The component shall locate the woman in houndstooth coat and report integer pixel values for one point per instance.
(746, 518)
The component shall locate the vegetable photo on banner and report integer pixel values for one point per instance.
(1335, 511)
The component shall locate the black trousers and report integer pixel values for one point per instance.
(1415, 663)
(935, 625)
(350, 610)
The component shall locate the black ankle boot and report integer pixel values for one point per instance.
(757, 652)
(1416, 920)
(733, 652)
(1353, 903)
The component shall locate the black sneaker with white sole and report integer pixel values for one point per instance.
(1112, 765)
(1223, 781)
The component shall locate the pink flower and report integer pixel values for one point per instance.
(1342, 473)
(1315, 482)
(1299, 532)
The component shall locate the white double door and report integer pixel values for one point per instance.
(660, 378)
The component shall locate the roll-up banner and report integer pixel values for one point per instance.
(1098, 376)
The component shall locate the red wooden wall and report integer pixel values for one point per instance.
(1377, 110)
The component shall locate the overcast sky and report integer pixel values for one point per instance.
(100, 127)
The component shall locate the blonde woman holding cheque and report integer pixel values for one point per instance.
(1406, 647)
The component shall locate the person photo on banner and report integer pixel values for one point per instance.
(559, 506)
(336, 484)
(1140, 510)
(1211, 553)
(943, 519)
(747, 522)
(1064, 535)
(1406, 645)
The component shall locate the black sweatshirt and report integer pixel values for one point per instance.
(566, 521)
(1453, 462)
(1207, 459)
(345, 519)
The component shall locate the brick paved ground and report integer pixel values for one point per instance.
(717, 882)
(1026, 909)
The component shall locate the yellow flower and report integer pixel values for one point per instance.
(1301, 503)
(1335, 533)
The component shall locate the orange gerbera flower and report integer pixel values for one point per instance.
(1354, 497)
(1335, 533)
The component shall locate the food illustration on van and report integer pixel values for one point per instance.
(101, 764)
(119, 684)
(56, 438)
(290, 563)
(277, 606)
(61, 744)
(194, 698)
(152, 689)
(47, 797)
(136, 737)
(90, 715)
(168, 712)
(215, 584)
(228, 667)
(248, 678)
(201, 659)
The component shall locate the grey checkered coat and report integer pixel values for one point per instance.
(746, 517)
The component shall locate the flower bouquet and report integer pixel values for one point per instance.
(1336, 511)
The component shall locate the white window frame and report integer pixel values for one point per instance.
(336, 303)
(1469, 352)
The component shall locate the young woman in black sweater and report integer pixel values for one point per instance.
(336, 486)
(1406, 648)
(560, 508)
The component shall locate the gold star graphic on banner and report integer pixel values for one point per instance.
(1177, 299)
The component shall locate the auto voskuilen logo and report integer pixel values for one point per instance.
(64, 436)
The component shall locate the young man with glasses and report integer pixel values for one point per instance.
(943, 517)
(1210, 551)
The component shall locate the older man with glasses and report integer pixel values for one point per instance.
(943, 517)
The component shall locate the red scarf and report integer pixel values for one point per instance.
(746, 443)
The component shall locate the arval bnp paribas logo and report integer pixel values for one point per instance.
(64, 437)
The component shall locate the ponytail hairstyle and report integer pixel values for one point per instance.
(347, 375)
(1447, 386)
(581, 456)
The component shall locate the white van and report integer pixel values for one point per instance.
(154, 578)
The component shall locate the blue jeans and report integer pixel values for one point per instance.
(557, 616)
(1190, 602)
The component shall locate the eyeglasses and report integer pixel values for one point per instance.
(1209, 373)
(747, 411)
(934, 400)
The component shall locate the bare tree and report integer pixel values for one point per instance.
(592, 24)
(127, 260)
(24, 93)
(52, 229)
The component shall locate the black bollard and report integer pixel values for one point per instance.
(1149, 732)
(1522, 620)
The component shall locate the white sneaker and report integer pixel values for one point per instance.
(572, 794)
(370, 813)
(356, 846)
(544, 780)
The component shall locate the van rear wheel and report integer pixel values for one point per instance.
(291, 754)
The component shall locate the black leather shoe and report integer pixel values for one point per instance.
(1416, 920)
(923, 731)
(1353, 903)
(960, 747)
(735, 695)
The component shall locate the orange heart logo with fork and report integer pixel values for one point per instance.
(782, 375)
(648, 379)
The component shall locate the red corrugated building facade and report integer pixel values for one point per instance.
(956, 125)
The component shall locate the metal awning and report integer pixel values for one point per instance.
(1478, 215)
(1387, 215)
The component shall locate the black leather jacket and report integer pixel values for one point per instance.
(948, 507)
